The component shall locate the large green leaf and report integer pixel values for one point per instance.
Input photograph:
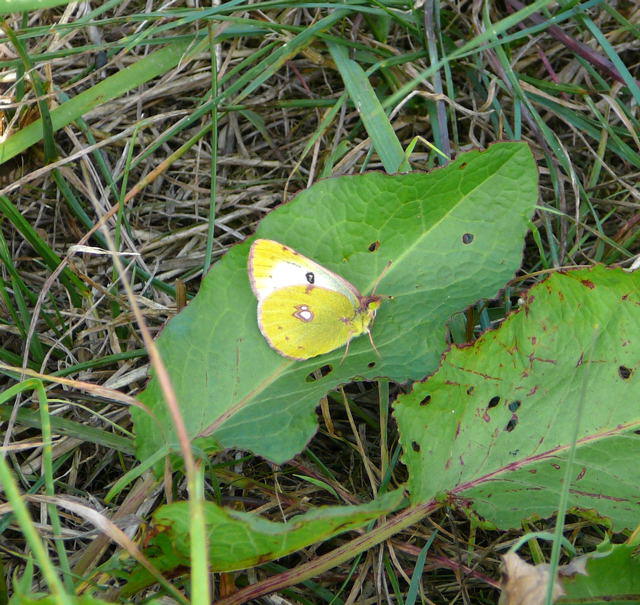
(238, 540)
(492, 429)
(611, 576)
(451, 237)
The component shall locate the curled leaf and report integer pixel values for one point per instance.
(525, 584)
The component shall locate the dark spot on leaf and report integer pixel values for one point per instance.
(581, 474)
(486, 417)
(373, 246)
(371, 364)
(470, 390)
(624, 372)
(462, 165)
(588, 283)
(511, 424)
(493, 402)
(514, 452)
(556, 466)
(467, 238)
(514, 405)
(426, 400)
(319, 373)
(415, 446)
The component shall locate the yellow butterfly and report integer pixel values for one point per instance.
(305, 310)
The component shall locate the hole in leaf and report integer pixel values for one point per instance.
(373, 246)
(426, 400)
(467, 238)
(493, 402)
(319, 373)
(415, 446)
(371, 364)
(511, 424)
(514, 405)
(624, 372)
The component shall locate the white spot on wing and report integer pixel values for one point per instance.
(303, 313)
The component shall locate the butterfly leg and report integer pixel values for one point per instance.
(346, 350)
(373, 344)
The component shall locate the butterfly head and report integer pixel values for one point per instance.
(370, 303)
(367, 311)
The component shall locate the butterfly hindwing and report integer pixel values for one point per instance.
(302, 322)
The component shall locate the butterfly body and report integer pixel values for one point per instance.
(304, 309)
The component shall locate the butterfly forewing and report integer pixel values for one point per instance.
(273, 266)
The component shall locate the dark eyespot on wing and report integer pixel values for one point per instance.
(310, 277)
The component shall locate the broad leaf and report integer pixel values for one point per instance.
(238, 540)
(443, 240)
(491, 430)
(610, 576)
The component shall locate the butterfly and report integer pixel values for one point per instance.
(304, 309)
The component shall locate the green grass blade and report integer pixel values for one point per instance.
(74, 286)
(374, 118)
(112, 87)
(19, 6)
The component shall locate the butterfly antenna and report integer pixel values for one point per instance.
(379, 278)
